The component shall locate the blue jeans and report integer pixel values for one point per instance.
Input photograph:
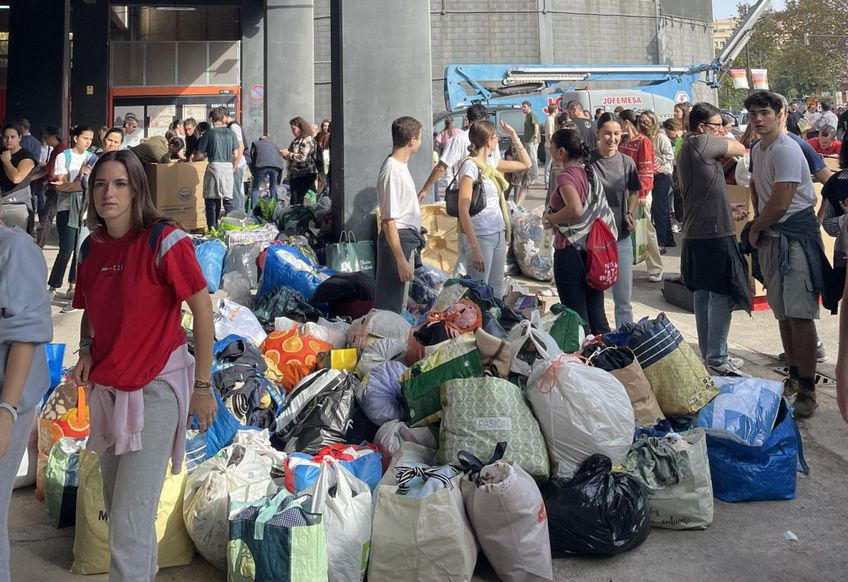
(273, 175)
(493, 248)
(712, 318)
(238, 188)
(623, 288)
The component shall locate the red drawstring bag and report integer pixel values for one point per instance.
(601, 257)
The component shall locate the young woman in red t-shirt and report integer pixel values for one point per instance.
(639, 147)
(136, 268)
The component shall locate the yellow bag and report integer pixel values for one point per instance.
(91, 541)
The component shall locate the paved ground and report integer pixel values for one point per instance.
(744, 543)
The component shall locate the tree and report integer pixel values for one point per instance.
(796, 69)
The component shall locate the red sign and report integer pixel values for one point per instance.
(622, 100)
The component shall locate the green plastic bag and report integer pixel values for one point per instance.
(276, 539)
(350, 256)
(421, 384)
(61, 481)
(639, 236)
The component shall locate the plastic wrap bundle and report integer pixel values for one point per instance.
(533, 246)
(286, 266)
(242, 259)
(425, 288)
(237, 288)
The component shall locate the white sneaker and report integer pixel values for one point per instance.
(657, 278)
(728, 369)
(738, 362)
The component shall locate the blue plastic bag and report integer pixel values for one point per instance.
(743, 473)
(744, 411)
(210, 255)
(222, 431)
(55, 357)
(286, 266)
(302, 471)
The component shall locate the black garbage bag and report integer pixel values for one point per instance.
(597, 512)
(609, 358)
(317, 414)
(283, 302)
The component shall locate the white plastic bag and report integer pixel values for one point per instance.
(581, 410)
(237, 288)
(233, 318)
(260, 441)
(508, 515)
(394, 433)
(542, 341)
(208, 492)
(347, 520)
(332, 332)
(743, 174)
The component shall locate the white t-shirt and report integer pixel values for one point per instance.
(782, 161)
(236, 129)
(132, 139)
(457, 151)
(397, 195)
(828, 118)
(63, 201)
(490, 219)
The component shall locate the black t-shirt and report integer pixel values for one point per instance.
(587, 132)
(5, 183)
(792, 122)
(190, 145)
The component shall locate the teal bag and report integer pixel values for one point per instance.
(276, 539)
(350, 256)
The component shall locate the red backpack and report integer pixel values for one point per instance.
(601, 257)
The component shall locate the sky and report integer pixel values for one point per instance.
(727, 8)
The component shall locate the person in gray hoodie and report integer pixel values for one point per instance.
(25, 326)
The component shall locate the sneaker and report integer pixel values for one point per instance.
(67, 308)
(52, 293)
(675, 228)
(657, 278)
(805, 404)
(738, 362)
(790, 387)
(729, 369)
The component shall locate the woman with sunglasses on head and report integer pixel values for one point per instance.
(136, 269)
(711, 264)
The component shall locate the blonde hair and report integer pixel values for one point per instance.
(649, 125)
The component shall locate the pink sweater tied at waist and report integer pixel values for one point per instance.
(118, 415)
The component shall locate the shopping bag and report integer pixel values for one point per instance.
(212, 487)
(349, 256)
(506, 509)
(688, 504)
(276, 539)
(744, 411)
(61, 481)
(420, 539)
(639, 235)
(363, 462)
(210, 256)
(234, 319)
(91, 541)
(769, 472)
(344, 503)
(64, 414)
(55, 356)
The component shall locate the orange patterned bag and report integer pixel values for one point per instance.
(295, 355)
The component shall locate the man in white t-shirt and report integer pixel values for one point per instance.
(828, 117)
(132, 132)
(787, 239)
(400, 217)
(550, 128)
(456, 151)
(240, 162)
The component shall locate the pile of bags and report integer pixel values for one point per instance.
(399, 446)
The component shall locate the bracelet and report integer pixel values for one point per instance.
(201, 387)
(12, 410)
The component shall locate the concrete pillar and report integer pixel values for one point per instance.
(90, 77)
(381, 70)
(253, 68)
(36, 80)
(289, 65)
(546, 34)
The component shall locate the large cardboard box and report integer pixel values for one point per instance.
(177, 190)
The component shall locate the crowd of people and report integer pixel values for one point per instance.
(136, 268)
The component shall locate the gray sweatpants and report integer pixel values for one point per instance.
(8, 471)
(132, 485)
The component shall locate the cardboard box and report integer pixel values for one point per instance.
(177, 190)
